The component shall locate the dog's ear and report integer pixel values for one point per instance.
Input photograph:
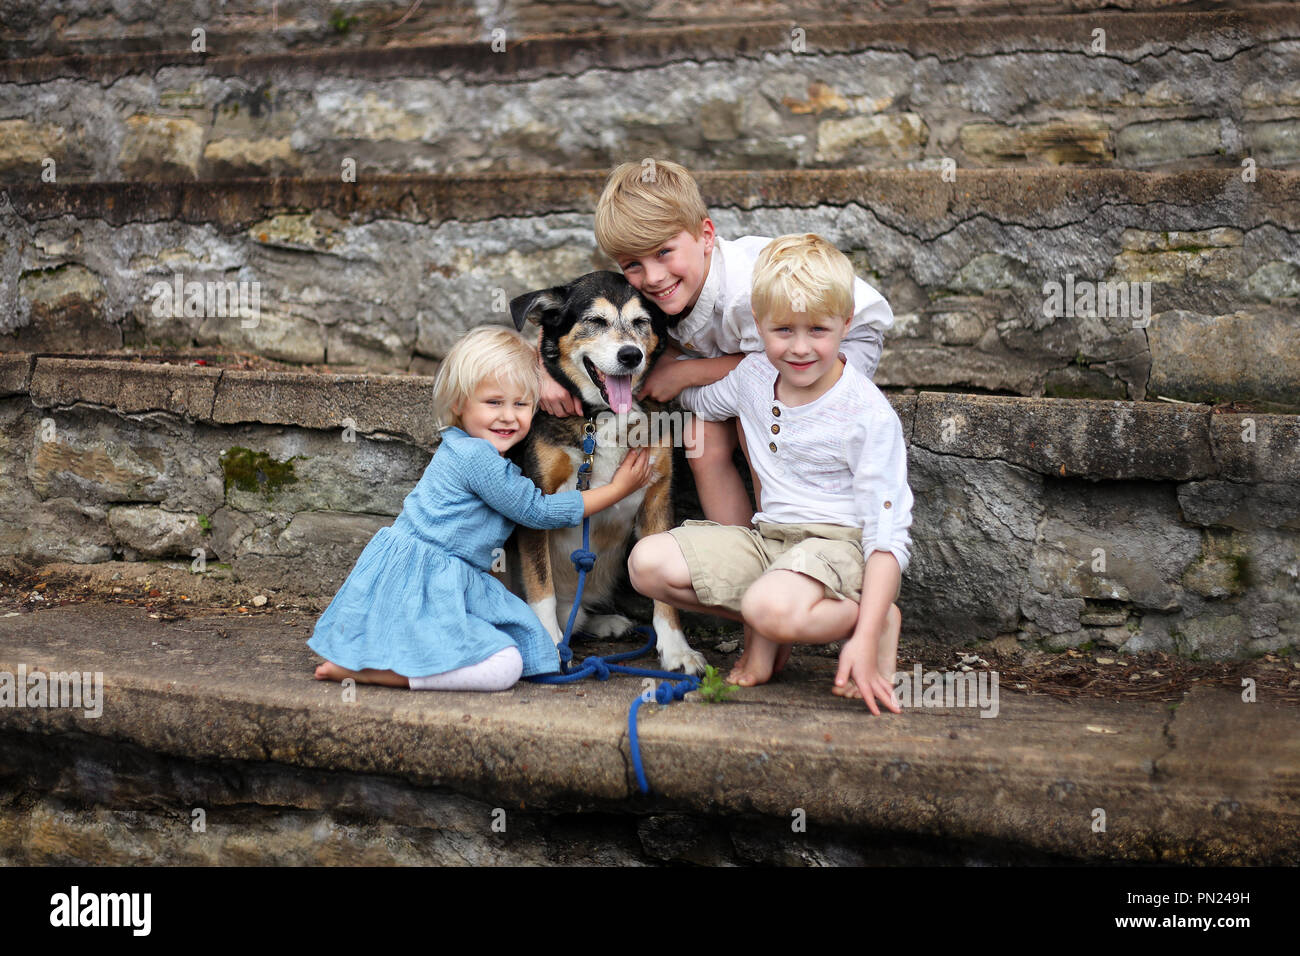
(537, 307)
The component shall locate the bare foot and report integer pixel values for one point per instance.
(886, 655)
(782, 657)
(331, 671)
(756, 665)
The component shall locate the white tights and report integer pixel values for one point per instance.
(498, 672)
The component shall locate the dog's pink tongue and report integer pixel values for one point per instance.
(619, 389)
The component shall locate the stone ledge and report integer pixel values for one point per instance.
(250, 27)
(1217, 781)
(1067, 438)
(916, 202)
(1129, 37)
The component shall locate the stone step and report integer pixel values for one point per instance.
(220, 714)
(1133, 525)
(1171, 91)
(387, 272)
(264, 26)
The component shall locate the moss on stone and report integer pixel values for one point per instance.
(256, 471)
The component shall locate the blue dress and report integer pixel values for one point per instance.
(420, 600)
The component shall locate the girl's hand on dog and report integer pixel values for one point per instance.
(636, 471)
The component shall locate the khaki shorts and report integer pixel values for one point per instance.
(724, 560)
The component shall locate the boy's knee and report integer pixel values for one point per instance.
(646, 560)
(759, 605)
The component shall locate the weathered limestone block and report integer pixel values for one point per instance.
(1276, 90)
(319, 471)
(318, 549)
(161, 147)
(1057, 143)
(990, 271)
(64, 529)
(1176, 257)
(312, 533)
(1246, 356)
(1112, 543)
(128, 387)
(63, 312)
(24, 146)
(1148, 440)
(1274, 144)
(229, 158)
(85, 464)
(1077, 381)
(98, 457)
(154, 533)
(378, 115)
(1052, 614)
(895, 135)
(1165, 141)
(1229, 504)
(1218, 572)
(1256, 447)
(1275, 280)
(974, 536)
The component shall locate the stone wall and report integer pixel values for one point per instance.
(254, 26)
(1169, 92)
(388, 273)
(1135, 525)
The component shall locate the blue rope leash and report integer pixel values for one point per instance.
(602, 668)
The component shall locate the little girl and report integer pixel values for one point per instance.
(420, 608)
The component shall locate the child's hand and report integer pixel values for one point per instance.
(556, 399)
(665, 381)
(636, 471)
(857, 664)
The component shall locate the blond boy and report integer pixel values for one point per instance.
(831, 543)
(651, 220)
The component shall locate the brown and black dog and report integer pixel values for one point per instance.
(600, 338)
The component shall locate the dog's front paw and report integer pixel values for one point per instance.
(607, 625)
(676, 655)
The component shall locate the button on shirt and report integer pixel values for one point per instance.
(722, 320)
(840, 459)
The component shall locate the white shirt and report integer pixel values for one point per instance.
(839, 459)
(722, 320)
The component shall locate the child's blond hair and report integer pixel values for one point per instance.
(487, 352)
(797, 274)
(644, 205)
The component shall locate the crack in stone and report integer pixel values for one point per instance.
(1168, 738)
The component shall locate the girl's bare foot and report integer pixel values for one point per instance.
(331, 671)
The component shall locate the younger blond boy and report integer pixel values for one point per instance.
(831, 542)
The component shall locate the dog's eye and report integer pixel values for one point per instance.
(598, 321)
(641, 323)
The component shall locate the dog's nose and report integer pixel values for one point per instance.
(629, 356)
